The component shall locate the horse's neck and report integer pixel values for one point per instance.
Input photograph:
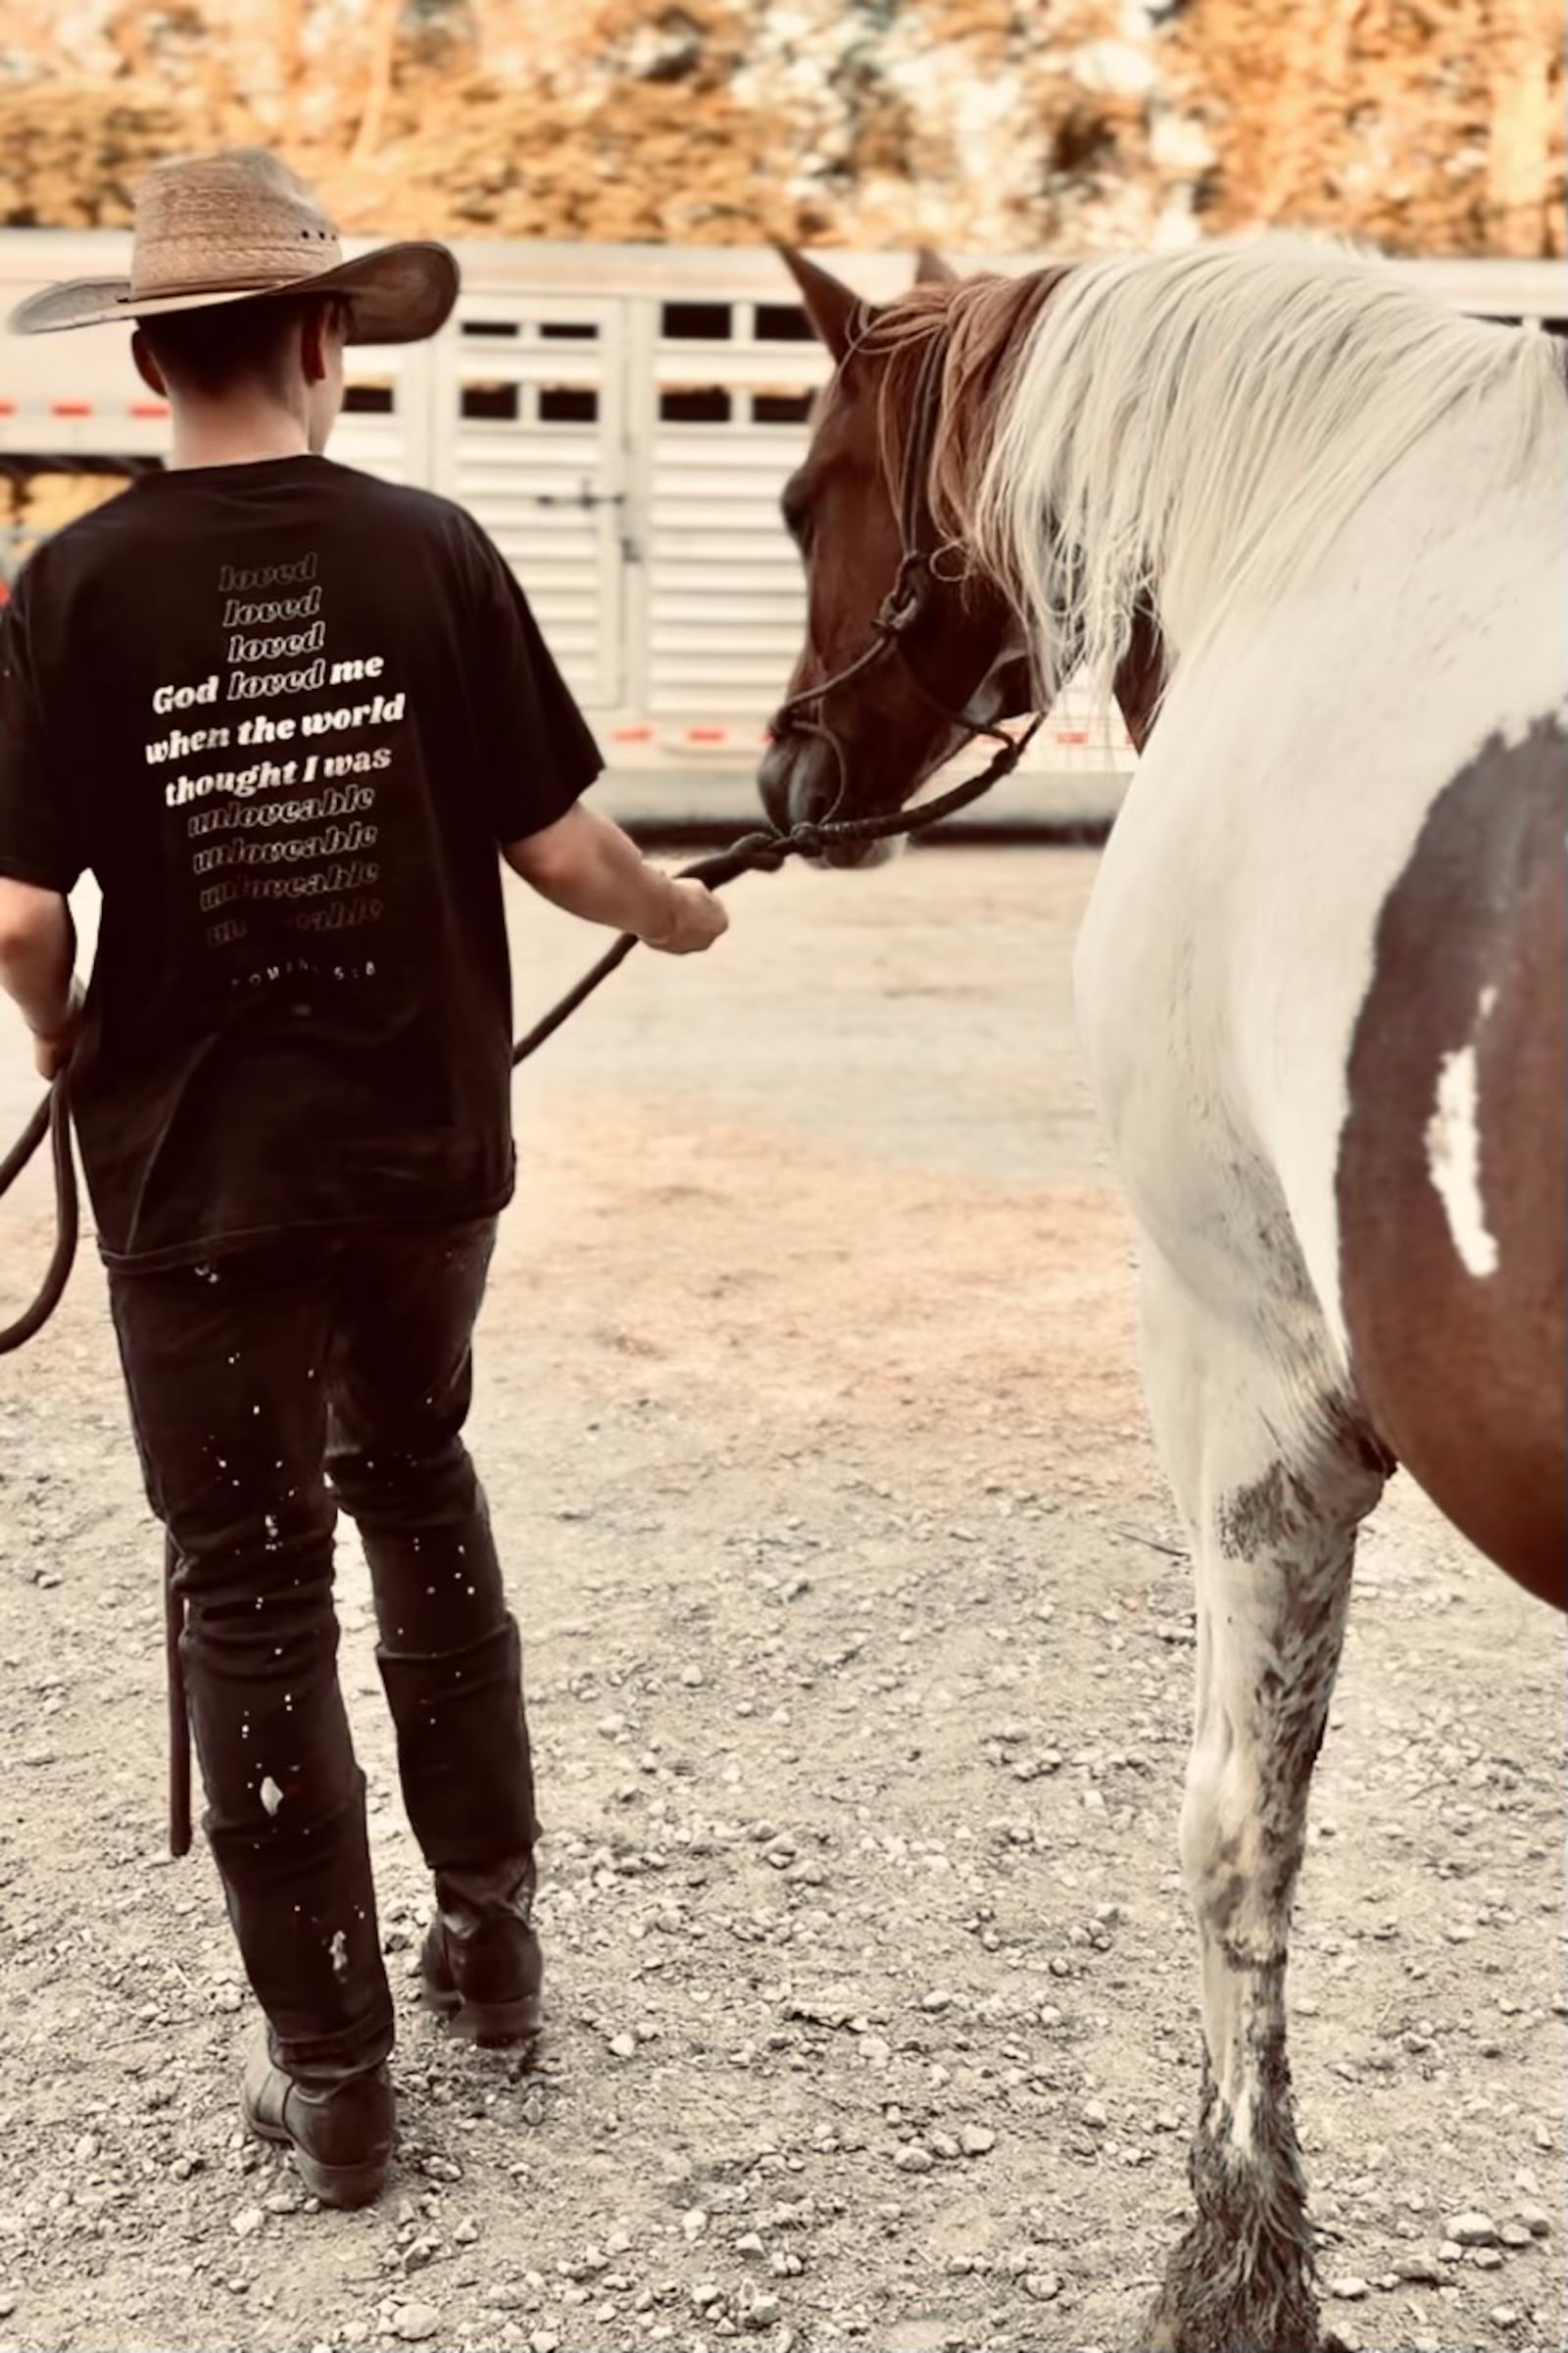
(1429, 496)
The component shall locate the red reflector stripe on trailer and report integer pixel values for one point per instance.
(708, 735)
(70, 408)
(1071, 735)
(632, 735)
(149, 407)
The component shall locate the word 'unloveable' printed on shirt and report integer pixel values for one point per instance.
(287, 850)
(333, 882)
(244, 816)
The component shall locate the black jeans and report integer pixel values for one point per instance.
(262, 1386)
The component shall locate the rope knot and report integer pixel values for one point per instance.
(902, 604)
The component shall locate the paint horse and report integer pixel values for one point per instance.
(1309, 528)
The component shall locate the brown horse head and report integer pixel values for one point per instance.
(881, 482)
(878, 509)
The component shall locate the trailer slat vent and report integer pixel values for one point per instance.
(494, 403)
(781, 408)
(695, 405)
(783, 322)
(567, 405)
(698, 322)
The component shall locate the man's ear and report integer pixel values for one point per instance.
(316, 327)
(147, 367)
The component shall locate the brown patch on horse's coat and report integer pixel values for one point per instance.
(1460, 1349)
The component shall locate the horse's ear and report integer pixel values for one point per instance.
(930, 269)
(830, 305)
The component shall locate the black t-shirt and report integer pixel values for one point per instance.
(285, 713)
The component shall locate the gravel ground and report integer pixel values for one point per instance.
(859, 1654)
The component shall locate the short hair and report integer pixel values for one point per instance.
(214, 351)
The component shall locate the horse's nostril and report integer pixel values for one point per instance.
(773, 782)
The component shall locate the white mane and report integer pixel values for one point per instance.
(1202, 426)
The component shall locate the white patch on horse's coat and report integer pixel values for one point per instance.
(338, 1949)
(272, 1795)
(1453, 1160)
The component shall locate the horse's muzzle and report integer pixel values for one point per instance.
(799, 781)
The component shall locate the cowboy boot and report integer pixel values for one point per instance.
(341, 2133)
(481, 1965)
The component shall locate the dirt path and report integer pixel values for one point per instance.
(862, 1700)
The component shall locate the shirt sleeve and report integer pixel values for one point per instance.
(541, 755)
(37, 839)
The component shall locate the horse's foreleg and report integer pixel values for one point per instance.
(1273, 1479)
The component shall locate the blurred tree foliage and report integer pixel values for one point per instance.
(1426, 125)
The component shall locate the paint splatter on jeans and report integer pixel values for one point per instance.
(266, 1387)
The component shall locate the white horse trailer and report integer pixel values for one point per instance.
(621, 420)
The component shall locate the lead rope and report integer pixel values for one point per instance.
(765, 853)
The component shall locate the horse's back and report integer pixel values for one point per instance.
(1453, 1177)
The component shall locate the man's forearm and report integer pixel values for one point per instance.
(588, 866)
(37, 955)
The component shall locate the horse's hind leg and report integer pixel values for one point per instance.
(1273, 1478)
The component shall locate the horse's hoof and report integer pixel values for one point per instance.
(1167, 2331)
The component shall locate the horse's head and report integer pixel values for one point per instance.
(907, 648)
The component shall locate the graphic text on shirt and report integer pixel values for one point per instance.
(297, 850)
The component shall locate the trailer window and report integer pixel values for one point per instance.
(368, 400)
(695, 405)
(698, 321)
(567, 405)
(495, 403)
(569, 330)
(490, 326)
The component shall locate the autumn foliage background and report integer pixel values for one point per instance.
(985, 125)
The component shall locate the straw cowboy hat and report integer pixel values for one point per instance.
(241, 228)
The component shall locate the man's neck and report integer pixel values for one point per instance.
(235, 433)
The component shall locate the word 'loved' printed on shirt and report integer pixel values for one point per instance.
(265, 613)
(246, 686)
(268, 575)
(286, 644)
